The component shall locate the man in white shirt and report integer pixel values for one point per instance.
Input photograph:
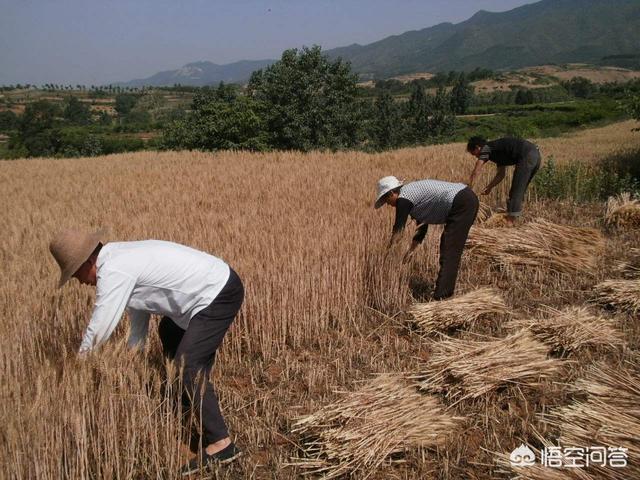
(198, 295)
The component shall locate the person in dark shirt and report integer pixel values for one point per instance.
(505, 152)
(432, 202)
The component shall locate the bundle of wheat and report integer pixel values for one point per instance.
(619, 294)
(484, 213)
(572, 329)
(541, 244)
(623, 211)
(358, 433)
(496, 220)
(469, 369)
(609, 418)
(459, 311)
(630, 268)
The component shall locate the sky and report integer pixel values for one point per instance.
(96, 42)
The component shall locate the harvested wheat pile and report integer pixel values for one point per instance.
(484, 213)
(573, 329)
(464, 369)
(630, 268)
(620, 294)
(459, 311)
(359, 432)
(623, 212)
(609, 417)
(497, 220)
(541, 244)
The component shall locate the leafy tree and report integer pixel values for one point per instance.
(386, 128)
(461, 95)
(37, 117)
(124, 102)
(8, 120)
(580, 87)
(524, 97)
(76, 112)
(417, 114)
(441, 121)
(634, 108)
(309, 101)
(219, 120)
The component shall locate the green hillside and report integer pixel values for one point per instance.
(550, 31)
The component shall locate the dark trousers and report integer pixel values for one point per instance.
(461, 217)
(525, 170)
(195, 350)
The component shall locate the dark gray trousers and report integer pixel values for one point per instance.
(526, 168)
(195, 349)
(456, 230)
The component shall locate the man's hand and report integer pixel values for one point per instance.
(486, 191)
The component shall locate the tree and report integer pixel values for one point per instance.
(634, 108)
(441, 120)
(124, 102)
(309, 101)
(417, 114)
(580, 87)
(76, 112)
(461, 95)
(219, 120)
(386, 131)
(8, 120)
(524, 97)
(35, 135)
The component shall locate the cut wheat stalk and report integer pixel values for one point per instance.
(496, 220)
(485, 212)
(623, 211)
(572, 329)
(364, 428)
(609, 417)
(463, 369)
(457, 312)
(630, 268)
(619, 294)
(539, 243)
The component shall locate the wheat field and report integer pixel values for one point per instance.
(324, 309)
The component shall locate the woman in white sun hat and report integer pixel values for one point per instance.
(432, 202)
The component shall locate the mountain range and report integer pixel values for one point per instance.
(549, 31)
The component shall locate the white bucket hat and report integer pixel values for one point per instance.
(385, 185)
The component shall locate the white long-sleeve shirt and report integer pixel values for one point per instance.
(151, 276)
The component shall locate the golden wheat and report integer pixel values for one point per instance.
(321, 308)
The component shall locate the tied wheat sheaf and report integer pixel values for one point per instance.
(460, 311)
(461, 368)
(620, 294)
(539, 243)
(572, 329)
(366, 427)
(610, 416)
(623, 211)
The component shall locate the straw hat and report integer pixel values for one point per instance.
(385, 185)
(71, 248)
